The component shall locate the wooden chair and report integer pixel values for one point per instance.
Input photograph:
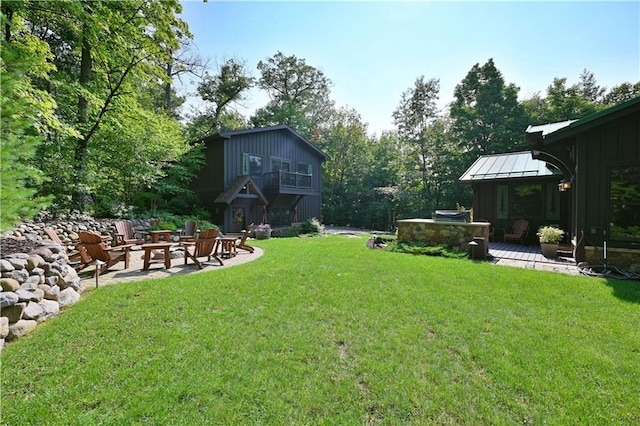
(97, 249)
(520, 228)
(126, 234)
(242, 243)
(189, 232)
(491, 231)
(77, 259)
(203, 246)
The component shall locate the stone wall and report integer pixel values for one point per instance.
(36, 277)
(456, 235)
(623, 258)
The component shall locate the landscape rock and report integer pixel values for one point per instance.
(9, 284)
(6, 266)
(68, 297)
(7, 298)
(18, 262)
(20, 328)
(50, 308)
(34, 261)
(45, 252)
(4, 327)
(52, 293)
(20, 275)
(33, 311)
(30, 296)
(14, 312)
(34, 280)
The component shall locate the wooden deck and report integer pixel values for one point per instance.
(524, 253)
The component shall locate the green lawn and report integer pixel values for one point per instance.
(325, 331)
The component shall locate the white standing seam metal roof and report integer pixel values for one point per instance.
(508, 166)
(549, 128)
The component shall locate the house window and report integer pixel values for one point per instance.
(526, 201)
(251, 164)
(283, 166)
(624, 203)
(304, 175)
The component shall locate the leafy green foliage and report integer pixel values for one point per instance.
(487, 117)
(425, 250)
(27, 115)
(299, 95)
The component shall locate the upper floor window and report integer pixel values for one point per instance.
(304, 175)
(251, 164)
(280, 165)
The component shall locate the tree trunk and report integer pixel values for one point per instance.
(167, 89)
(80, 195)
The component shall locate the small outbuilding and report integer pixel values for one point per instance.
(262, 175)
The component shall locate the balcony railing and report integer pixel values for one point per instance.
(288, 180)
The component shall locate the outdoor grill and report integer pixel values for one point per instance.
(452, 216)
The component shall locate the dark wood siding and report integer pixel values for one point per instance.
(616, 143)
(224, 159)
(209, 181)
(279, 144)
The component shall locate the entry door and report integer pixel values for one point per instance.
(237, 220)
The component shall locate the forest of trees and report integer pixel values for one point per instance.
(91, 120)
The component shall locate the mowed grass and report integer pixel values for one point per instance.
(325, 331)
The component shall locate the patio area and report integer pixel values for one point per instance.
(529, 257)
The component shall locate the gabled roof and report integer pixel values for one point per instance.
(312, 147)
(236, 186)
(585, 123)
(507, 166)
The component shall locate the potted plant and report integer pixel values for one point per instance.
(263, 231)
(549, 236)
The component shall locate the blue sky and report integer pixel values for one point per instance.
(374, 51)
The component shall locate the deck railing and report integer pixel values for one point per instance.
(290, 180)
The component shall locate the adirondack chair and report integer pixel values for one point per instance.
(190, 230)
(77, 259)
(203, 246)
(520, 228)
(97, 249)
(126, 234)
(242, 243)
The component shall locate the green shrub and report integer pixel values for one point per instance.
(425, 250)
(312, 226)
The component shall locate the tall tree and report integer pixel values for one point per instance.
(299, 94)
(413, 117)
(622, 92)
(106, 54)
(221, 91)
(487, 116)
(27, 115)
(345, 141)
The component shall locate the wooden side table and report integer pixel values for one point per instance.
(165, 233)
(148, 248)
(227, 246)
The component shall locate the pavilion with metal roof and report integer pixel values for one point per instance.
(508, 166)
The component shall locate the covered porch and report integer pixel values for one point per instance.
(530, 257)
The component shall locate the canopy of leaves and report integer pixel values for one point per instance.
(299, 94)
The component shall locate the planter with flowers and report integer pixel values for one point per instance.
(263, 231)
(550, 237)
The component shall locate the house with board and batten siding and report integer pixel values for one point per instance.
(263, 175)
(583, 175)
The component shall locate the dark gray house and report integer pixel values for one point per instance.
(581, 174)
(263, 175)
(599, 156)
